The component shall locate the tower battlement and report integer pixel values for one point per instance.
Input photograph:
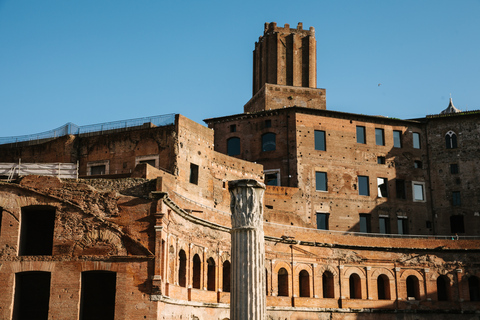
(285, 56)
(271, 27)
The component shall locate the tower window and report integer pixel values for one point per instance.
(456, 200)
(454, 168)
(451, 140)
(381, 160)
(384, 225)
(233, 128)
(268, 123)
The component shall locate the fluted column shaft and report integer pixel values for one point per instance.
(247, 297)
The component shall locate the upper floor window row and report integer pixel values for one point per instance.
(380, 137)
(451, 140)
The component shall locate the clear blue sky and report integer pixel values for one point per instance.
(92, 61)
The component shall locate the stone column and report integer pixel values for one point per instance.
(247, 298)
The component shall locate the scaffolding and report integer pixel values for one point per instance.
(61, 170)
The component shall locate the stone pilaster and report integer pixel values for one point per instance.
(247, 300)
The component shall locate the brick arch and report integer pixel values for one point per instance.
(281, 264)
(303, 266)
(358, 270)
(99, 265)
(385, 271)
(402, 285)
(20, 266)
(224, 256)
(410, 272)
(433, 276)
(329, 268)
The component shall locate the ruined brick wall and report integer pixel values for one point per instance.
(121, 149)
(455, 170)
(93, 230)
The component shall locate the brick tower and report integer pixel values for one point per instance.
(285, 56)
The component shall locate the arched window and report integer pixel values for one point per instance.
(182, 269)
(413, 290)
(474, 288)
(327, 285)
(282, 282)
(233, 146)
(451, 140)
(269, 141)
(211, 274)
(304, 283)
(197, 271)
(443, 288)
(383, 287)
(226, 276)
(355, 287)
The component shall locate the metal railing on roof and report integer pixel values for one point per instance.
(71, 128)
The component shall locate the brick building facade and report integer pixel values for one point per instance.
(365, 217)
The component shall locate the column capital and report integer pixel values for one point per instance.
(246, 203)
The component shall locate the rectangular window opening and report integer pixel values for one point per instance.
(320, 140)
(402, 225)
(379, 137)
(363, 186)
(365, 223)
(32, 295)
(361, 138)
(382, 186)
(193, 173)
(456, 200)
(321, 181)
(384, 225)
(418, 191)
(400, 189)
(272, 177)
(381, 160)
(457, 224)
(416, 140)
(98, 295)
(397, 139)
(454, 168)
(233, 128)
(36, 231)
(322, 221)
